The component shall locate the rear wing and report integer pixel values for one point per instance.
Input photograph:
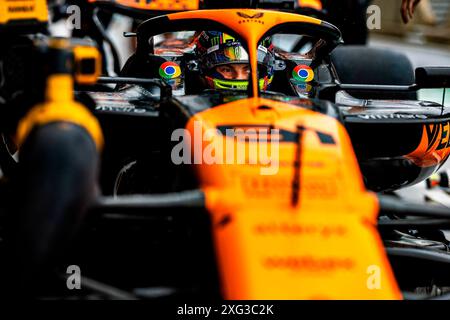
(426, 78)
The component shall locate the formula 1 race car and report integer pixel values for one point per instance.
(261, 187)
(296, 223)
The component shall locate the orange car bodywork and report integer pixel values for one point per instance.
(159, 5)
(324, 245)
(179, 5)
(314, 4)
(434, 146)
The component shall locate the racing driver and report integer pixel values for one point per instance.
(224, 62)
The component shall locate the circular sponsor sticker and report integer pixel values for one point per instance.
(303, 73)
(169, 70)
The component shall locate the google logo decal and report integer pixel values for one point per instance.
(169, 70)
(303, 73)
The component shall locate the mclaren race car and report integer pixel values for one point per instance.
(293, 217)
(247, 155)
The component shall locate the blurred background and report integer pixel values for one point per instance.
(426, 42)
(425, 39)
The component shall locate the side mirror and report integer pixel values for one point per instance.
(433, 77)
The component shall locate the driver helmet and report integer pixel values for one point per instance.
(224, 62)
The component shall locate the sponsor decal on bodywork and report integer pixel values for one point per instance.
(122, 102)
(255, 18)
(303, 73)
(391, 116)
(283, 136)
(169, 70)
(434, 147)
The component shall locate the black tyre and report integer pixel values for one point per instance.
(55, 184)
